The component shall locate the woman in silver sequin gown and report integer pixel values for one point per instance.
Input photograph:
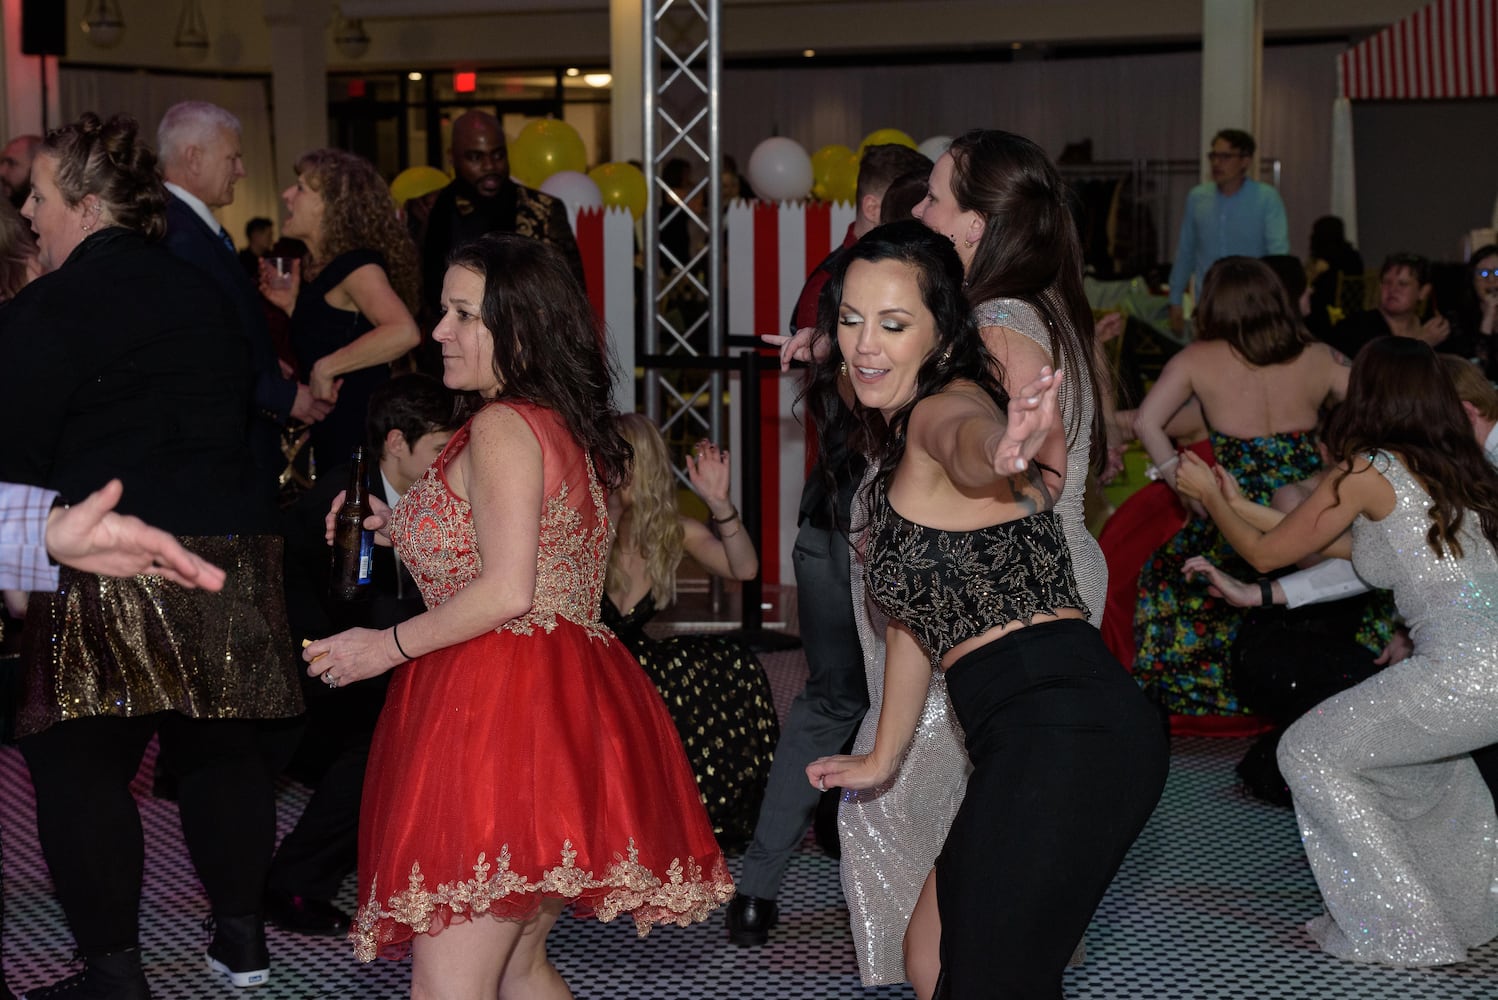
(1398, 825)
(991, 194)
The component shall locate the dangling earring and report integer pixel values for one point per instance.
(946, 356)
(969, 244)
(842, 369)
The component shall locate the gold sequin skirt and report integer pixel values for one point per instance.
(139, 645)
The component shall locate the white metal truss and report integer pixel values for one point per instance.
(682, 299)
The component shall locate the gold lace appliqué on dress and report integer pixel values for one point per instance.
(570, 565)
(626, 886)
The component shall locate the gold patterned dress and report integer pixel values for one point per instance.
(536, 760)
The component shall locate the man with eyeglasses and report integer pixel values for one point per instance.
(483, 199)
(1231, 216)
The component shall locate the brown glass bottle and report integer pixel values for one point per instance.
(353, 544)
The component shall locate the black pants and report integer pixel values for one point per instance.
(1069, 758)
(90, 828)
(323, 848)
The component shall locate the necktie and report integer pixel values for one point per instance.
(223, 234)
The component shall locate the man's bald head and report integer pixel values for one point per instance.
(479, 153)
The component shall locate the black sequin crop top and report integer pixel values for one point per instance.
(948, 586)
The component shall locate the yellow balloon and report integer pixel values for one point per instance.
(822, 161)
(414, 182)
(622, 185)
(841, 182)
(545, 147)
(886, 137)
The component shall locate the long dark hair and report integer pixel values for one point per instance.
(1030, 251)
(547, 348)
(958, 352)
(1244, 303)
(1400, 399)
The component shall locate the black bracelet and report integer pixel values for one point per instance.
(733, 515)
(394, 634)
(1266, 591)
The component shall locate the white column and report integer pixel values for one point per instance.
(299, 80)
(627, 102)
(1232, 61)
(22, 75)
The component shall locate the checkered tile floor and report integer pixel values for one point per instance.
(1209, 905)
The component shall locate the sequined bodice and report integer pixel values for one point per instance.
(949, 586)
(1076, 415)
(432, 529)
(1441, 600)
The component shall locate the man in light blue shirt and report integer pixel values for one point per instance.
(1232, 216)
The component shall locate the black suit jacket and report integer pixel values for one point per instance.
(125, 362)
(189, 238)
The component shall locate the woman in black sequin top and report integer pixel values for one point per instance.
(965, 555)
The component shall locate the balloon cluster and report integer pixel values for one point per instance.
(549, 154)
(780, 170)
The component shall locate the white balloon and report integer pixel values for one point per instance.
(780, 170)
(576, 190)
(933, 147)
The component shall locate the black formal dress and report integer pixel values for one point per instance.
(719, 699)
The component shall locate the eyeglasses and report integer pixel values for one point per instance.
(1219, 157)
(1487, 272)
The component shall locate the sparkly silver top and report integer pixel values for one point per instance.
(1442, 601)
(891, 835)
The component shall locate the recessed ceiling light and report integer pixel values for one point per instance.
(1016, 45)
(808, 53)
(573, 71)
(598, 79)
(414, 77)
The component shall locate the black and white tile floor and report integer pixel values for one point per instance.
(1209, 905)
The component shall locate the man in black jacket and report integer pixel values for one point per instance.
(199, 153)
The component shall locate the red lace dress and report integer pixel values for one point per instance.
(534, 760)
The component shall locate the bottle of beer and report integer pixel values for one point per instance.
(353, 545)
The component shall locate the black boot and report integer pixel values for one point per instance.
(116, 975)
(238, 949)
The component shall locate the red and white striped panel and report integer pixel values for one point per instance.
(1444, 50)
(606, 243)
(771, 249)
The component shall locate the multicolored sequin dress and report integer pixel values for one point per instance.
(536, 760)
(720, 700)
(1184, 635)
(1397, 822)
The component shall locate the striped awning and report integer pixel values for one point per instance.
(1444, 50)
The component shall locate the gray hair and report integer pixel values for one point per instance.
(189, 123)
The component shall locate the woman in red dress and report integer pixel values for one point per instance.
(523, 761)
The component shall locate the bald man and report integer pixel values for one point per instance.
(483, 199)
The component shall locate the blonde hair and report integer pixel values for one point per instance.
(651, 524)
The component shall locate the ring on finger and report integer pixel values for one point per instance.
(330, 680)
(822, 783)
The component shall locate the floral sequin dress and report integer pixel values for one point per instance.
(1184, 635)
(719, 698)
(535, 760)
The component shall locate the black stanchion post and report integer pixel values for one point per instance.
(753, 631)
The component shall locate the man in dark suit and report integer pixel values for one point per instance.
(198, 147)
(483, 199)
(410, 420)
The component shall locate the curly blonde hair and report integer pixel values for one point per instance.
(651, 524)
(359, 214)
